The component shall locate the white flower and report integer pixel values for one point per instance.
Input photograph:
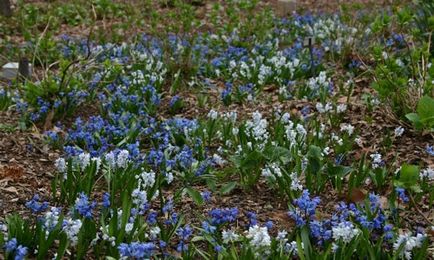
(229, 236)
(335, 247)
(129, 227)
(139, 198)
(377, 162)
(266, 172)
(399, 131)
(295, 182)
(84, 160)
(410, 242)
(154, 232)
(213, 114)
(345, 231)
(348, 128)
(110, 158)
(169, 177)
(231, 116)
(235, 131)
(97, 160)
(399, 63)
(257, 129)
(281, 235)
(218, 160)
(341, 108)
(259, 236)
(428, 173)
(285, 118)
(359, 141)
(291, 248)
(146, 179)
(60, 165)
(323, 108)
(51, 219)
(122, 158)
(271, 169)
(327, 151)
(72, 228)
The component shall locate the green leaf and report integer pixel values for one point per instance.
(409, 175)
(425, 108)
(413, 117)
(228, 187)
(195, 195)
(274, 153)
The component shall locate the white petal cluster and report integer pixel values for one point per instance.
(72, 227)
(60, 165)
(323, 108)
(272, 170)
(229, 236)
(122, 159)
(347, 128)
(376, 160)
(410, 242)
(345, 231)
(295, 182)
(212, 114)
(428, 174)
(320, 82)
(259, 236)
(146, 179)
(257, 129)
(399, 131)
(139, 198)
(84, 160)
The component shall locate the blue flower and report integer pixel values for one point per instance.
(106, 200)
(320, 230)
(174, 100)
(184, 232)
(430, 149)
(137, 250)
(152, 218)
(252, 218)
(35, 206)
(388, 232)
(21, 252)
(185, 158)
(206, 195)
(83, 206)
(223, 216)
(209, 229)
(269, 224)
(11, 245)
(218, 248)
(401, 195)
(305, 208)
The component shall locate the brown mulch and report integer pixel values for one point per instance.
(26, 165)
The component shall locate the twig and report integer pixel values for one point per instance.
(420, 211)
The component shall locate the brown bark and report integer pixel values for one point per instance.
(5, 8)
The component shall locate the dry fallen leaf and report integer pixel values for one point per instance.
(10, 189)
(357, 195)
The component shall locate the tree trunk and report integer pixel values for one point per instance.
(5, 8)
(24, 68)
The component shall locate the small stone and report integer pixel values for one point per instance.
(10, 70)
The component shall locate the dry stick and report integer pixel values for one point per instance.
(420, 211)
(76, 60)
(37, 45)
